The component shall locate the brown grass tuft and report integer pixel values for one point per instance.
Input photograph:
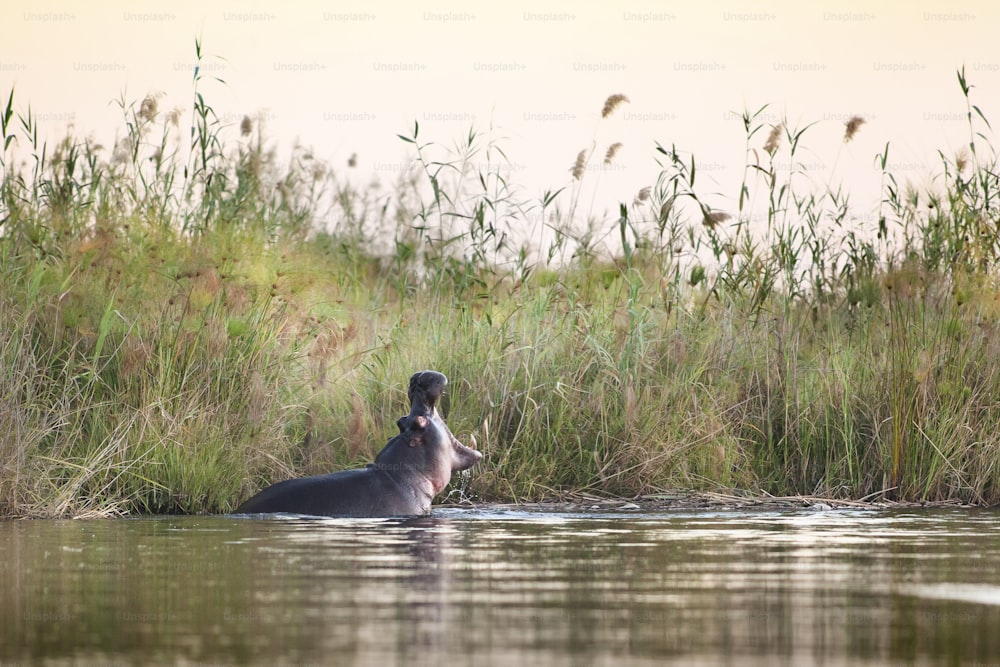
(612, 151)
(149, 107)
(612, 103)
(578, 166)
(773, 139)
(962, 160)
(665, 209)
(174, 116)
(852, 126)
(712, 218)
(358, 427)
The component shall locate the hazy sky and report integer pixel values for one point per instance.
(346, 77)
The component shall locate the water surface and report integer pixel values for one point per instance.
(501, 587)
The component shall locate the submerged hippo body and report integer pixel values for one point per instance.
(410, 470)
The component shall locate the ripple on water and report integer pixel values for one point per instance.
(977, 593)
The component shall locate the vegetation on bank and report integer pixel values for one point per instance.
(178, 329)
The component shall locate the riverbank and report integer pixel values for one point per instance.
(682, 501)
(180, 332)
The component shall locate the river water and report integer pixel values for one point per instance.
(501, 587)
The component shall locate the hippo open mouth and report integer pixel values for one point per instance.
(426, 388)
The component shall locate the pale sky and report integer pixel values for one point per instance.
(346, 77)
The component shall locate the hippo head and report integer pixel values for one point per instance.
(425, 453)
(426, 388)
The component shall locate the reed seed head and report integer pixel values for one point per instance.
(852, 126)
(962, 160)
(643, 194)
(148, 107)
(773, 139)
(578, 166)
(712, 218)
(122, 153)
(246, 126)
(174, 116)
(665, 209)
(612, 151)
(612, 103)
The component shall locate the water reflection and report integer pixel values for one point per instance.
(495, 587)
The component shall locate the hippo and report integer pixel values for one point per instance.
(411, 469)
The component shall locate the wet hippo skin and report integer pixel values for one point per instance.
(411, 469)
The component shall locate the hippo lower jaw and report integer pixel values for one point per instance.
(465, 457)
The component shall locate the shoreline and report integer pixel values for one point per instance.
(586, 503)
(708, 501)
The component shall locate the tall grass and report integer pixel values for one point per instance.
(187, 320)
